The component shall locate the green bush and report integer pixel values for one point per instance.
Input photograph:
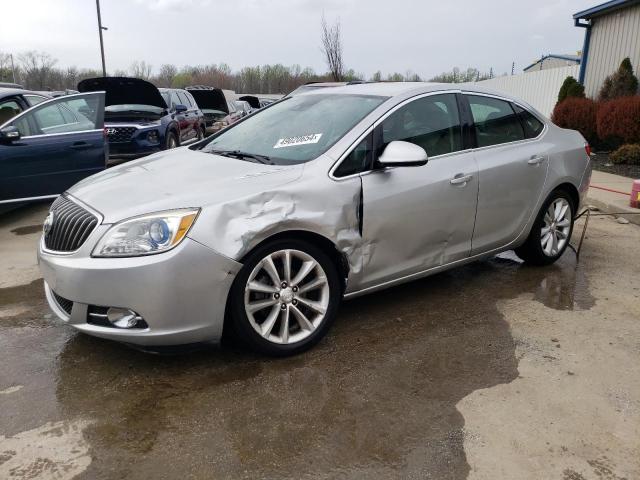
(570, 88)
(622, 83)
(628, 154)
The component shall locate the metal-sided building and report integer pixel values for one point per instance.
(553, 60)
(612, 32)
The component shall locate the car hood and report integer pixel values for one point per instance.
(124, 90)
(210, 99)
(180, 178)
(251, 100)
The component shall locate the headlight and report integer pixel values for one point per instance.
(153, 136)
(146, 235)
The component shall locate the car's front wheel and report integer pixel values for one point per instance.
(285, 297)
(551, 231)
(172, 141)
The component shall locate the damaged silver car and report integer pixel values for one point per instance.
(266, 226)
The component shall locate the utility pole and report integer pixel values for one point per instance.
(100, 28)
(13, 68)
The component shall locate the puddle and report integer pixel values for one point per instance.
(561, 286)
(27, 230)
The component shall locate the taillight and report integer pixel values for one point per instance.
(587, 148)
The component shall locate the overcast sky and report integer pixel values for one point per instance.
(426, 37)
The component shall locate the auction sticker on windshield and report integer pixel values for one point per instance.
(299, 140)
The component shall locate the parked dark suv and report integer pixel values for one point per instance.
(141, 119)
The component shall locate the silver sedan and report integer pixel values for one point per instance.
(263, 228)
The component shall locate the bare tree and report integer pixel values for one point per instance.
(141, 69)
(332, 48)
(6, 73)
(37, 69)
(167, 73)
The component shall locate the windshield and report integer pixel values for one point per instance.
(296, 129)
(132, 107)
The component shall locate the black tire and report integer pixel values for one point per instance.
(171, 141)
(532, 251)
(241, 326)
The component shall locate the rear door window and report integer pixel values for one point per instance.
(532, 126)
(495, 121)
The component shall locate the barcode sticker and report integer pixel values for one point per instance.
(298, 140)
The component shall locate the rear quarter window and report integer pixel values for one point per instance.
(532, 126)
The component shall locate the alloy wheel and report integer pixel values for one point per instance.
(286, 296)
(557, 225)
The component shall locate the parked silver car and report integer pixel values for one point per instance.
(266, 226)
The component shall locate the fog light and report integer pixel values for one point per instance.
(153, 137)
(123, 317)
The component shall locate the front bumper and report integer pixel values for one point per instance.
(132, 150)
(181, 294)
(210, 129)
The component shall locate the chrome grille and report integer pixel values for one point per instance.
(70, 227)
(120, 134)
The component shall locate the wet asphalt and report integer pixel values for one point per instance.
(375, 399)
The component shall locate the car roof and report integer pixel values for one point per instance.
(394, 89)
(9, 92)
(5, 91)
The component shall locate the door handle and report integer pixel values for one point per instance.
(536, 160)
(80, 145)
(460, 179)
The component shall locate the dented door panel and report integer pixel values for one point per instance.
(416, 219)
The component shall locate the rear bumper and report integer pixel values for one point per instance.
(584, 184)
(181, 294)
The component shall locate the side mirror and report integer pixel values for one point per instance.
(403, 154)
(181, 108)
(9, 134)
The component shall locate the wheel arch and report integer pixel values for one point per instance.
(173, 127)
(320, 241)
(325, 244)
(573, 192)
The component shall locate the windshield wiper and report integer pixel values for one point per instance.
(242, 155)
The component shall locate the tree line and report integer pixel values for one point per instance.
(38, 70)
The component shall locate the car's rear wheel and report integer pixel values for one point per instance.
(285, 297)
(172, 140)
(551, 231)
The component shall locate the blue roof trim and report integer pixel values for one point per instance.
(573, 58)
(603, 8)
